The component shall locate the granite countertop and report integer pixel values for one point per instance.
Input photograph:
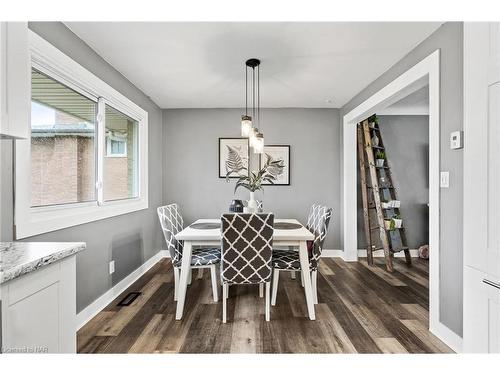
(20, 258)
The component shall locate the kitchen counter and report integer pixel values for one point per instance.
(21, 258)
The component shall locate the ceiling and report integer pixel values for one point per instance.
(417, 103)
(201, 65)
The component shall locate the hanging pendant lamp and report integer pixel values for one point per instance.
(256, 139)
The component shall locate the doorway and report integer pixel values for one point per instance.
(424, 74)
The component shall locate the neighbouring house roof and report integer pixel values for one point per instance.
(67, 130)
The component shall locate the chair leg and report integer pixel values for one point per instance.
(200, 273)
(224, 302)
(268, 302)
(261, 290)
(213, 273)
(176, 281)
(292, 275)
(276, 275)
(190, 277)
(314, 277)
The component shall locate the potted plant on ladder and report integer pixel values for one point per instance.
(396, 222)
(379, 158)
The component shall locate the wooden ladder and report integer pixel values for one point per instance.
(375, 186)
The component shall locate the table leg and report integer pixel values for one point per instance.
(183, 282)
(306, 274)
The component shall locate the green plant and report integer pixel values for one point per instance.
(269, 173)
(380, 154)
(373, 119)
(393, 223)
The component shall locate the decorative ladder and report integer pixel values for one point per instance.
(380, 187)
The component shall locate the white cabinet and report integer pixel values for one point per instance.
(39, 310)
(481, 187)
(14, 80)
(482, 329)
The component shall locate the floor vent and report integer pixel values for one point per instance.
(129, 298)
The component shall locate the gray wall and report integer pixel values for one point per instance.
(191, 151)
(449, 39)
(128, 239)
(406, 142)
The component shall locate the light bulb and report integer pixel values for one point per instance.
(246, 125)
(251, 136)
(258, 144)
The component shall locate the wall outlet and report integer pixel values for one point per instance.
(445, 180)
(111, 267)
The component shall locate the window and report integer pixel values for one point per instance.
(63, 147)
(120, 165)
(87, 156)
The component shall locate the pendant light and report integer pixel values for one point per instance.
(256, 139)
(246, 121)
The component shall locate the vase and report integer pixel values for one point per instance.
(236, 206)
(252, 204)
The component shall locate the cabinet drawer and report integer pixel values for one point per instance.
(31, 283)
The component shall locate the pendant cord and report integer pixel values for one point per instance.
(253, 91)
(258, 95)
(246, 90)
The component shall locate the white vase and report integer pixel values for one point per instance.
(252, 203)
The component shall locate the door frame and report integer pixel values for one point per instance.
(426, 72)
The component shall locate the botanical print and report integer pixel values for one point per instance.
(274, 153)
(233, 157)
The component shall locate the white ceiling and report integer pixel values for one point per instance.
(201, 65)
(417, 103)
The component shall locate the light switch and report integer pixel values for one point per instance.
(111, 267)
(445, 180)
(456, 140)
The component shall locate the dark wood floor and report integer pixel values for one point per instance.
(361, 309)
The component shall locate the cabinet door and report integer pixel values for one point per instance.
(482, 151)
(482, 331)
(481, 186)
(15, 95)
(39, 310)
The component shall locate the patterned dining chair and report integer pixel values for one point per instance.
(247, 247)
(172, 223)
(288, 260)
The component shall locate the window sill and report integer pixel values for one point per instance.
(42, 220)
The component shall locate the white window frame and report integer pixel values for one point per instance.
(30, 221)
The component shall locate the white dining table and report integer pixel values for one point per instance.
(212, 237)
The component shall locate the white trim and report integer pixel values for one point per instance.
(447, 336)
(332, 253)
(380, 253)
(424, 72)
(32, 221)
(84, 316)
(336, 253)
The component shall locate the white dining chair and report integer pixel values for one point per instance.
(288, 260)
(172, 223)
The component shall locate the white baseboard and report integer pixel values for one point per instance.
(447, 336)
(380, 253)
(100, 303)
(335, 253)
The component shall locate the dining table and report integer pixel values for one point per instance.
(205, 233)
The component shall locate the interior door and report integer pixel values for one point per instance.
(482, 187)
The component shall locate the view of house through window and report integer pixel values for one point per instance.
(120, 161)
(63, 152)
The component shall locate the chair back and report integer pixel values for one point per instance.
(247, 247)
(171, 224)
(317, 223)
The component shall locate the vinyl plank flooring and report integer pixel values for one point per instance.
(362, 309)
